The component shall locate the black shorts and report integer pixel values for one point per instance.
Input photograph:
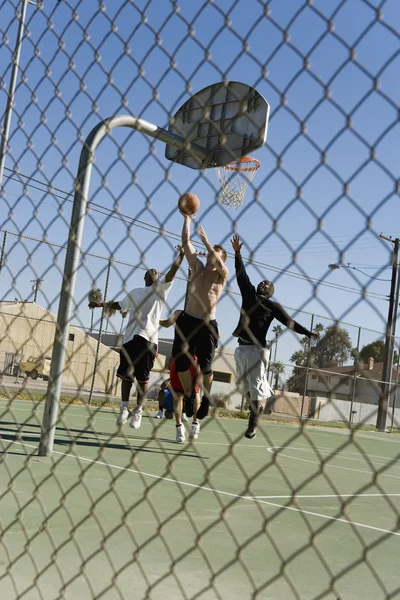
(194, 336)
(137, 360)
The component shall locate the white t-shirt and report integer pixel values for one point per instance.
(146, 305)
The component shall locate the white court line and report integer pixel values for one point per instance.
(348, 452)
(222, 493)
(316, 496)
(326, 465)
(332, 453)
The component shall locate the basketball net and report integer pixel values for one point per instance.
(234, 179)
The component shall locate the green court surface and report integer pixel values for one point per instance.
(118, 514)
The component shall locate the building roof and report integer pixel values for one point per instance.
(362, 371)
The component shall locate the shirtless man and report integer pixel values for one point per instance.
(196, 330)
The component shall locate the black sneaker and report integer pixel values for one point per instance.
(250, 432)
(203, 408)
(188, 406)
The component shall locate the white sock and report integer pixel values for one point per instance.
(125, 404)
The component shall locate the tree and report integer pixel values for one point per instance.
(277, 369)
(296, 381)
(375, 350)
(333, 349)
(277, 331)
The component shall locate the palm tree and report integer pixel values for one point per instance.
(278, 369)
(277, 331)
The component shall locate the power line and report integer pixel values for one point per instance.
(176, 237)
(120, 216)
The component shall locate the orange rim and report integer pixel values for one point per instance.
(237, 165)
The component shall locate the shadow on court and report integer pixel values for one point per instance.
(13, 436)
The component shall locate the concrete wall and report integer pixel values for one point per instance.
(27, 329)
(289, 403)
(339, 410)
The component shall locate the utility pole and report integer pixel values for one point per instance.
(389, 340)
(5, 129)
(35, 287)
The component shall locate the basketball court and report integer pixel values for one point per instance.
(215, 519)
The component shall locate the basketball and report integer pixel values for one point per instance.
(189, 204)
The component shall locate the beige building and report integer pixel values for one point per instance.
(27, 329)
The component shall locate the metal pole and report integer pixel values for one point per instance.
(388, 358)
(395, 392)
(394, 326)
(96, 358)
(353, 392)
(36, 282)
(79, 208)
(11, 90)
(3, 251)
(307, 370)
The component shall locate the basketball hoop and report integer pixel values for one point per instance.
(234, 179)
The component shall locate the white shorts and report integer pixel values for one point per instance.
(251, 368)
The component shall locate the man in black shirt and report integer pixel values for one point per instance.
(251, 357)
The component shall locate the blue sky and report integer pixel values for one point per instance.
(327, 112)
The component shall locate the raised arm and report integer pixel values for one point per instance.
(111, 305)
(175, 266)
(246, 287)
(187, 245)
(220, 263)
(282, 316)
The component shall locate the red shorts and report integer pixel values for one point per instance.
(174, 380)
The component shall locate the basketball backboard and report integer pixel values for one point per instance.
(228, 119)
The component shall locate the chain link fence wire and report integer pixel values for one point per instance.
(309, 509)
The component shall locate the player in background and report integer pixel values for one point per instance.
(178, 392)
(140, 343)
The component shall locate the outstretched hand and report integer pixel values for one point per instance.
(186, 216)
(95, 304)
(236, 243)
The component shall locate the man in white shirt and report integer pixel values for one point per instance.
(140, 343)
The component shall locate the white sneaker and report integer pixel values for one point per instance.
(184, 418)
(180, 434)
(159, 415)
(136, 418)
(123, 416)
(194, 431)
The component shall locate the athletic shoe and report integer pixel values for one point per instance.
(184, 418)
(250, 432)
(194, 431)
(203, 408)
(180, 434)
(188, 405)
(159, 415)
(123, 416)
(136, 418)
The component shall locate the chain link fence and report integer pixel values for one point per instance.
(308, 509)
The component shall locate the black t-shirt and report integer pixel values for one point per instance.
(258, 312)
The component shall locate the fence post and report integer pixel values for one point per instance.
(353, 391)
(3, 251)
(395, 392)
(307, 369)
(96, 358)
